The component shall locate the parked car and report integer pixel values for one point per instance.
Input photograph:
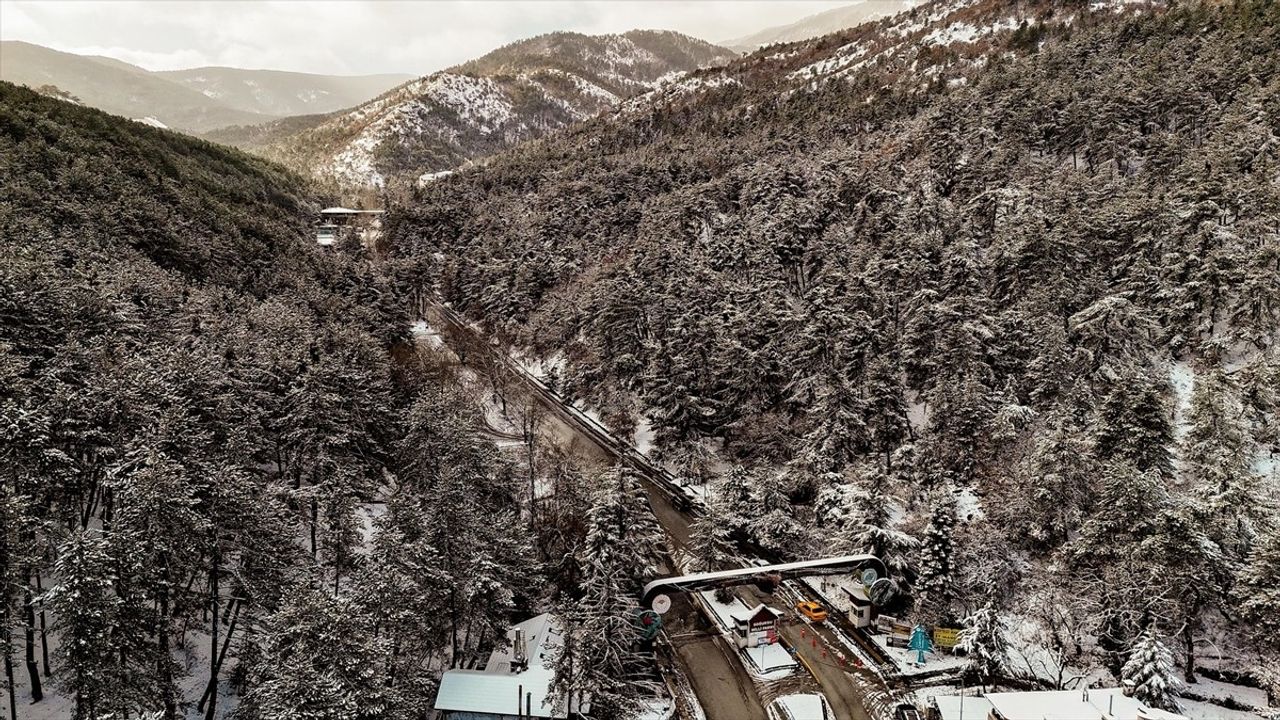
(805, 706)
(906, 711)
(812, 610)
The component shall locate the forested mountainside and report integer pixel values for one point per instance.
(195, 403)
(194, 100)
(515, 93)
(823, 23)
(117, 87)
(991, 291)
(280, 93)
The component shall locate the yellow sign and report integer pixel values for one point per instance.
(946, 638)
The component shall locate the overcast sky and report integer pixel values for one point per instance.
(360, 37)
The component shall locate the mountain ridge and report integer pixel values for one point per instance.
(195, 100)
(521, 90)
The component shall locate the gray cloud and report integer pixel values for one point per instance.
(359, 37)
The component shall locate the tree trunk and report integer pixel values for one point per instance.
(315, 519)
(164, 657)
(211, 688)
(44, 632)
(8, 674)
(1189, 664)
(213, 634)
(29, 611)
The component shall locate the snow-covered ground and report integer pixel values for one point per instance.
(935, 661)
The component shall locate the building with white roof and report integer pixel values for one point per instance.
(337, 222)
(1087, 704)
(515, 681)
(959, 707)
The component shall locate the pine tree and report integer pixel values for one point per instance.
(1055, 486)
(1135, 424)
(599, 658)
(1215, 462)
(621, 532)
(1258, 588)
(869, 529)
(88, 610)
(983, 639)
(734, 494)
(935, 581)
(710, 547)
(1150, 670)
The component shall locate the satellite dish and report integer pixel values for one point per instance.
(882, 591)
(869, 577)
(661, 604)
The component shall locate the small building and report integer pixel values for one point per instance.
(1086, 704)
(337, 223)
(515, 682)
(756, 626)
(859, 605)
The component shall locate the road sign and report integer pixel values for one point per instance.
(946, 638)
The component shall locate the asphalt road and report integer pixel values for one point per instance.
(724, 687)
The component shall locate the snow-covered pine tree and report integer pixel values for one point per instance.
(1054, 486)
(1150, 669)
(935, 582)
(1258, 588)
(87, 609)
(599, 655)
(1215, 463)
(710, 546)
(621, 531)
(984, 640)
(869, 527)
(1135, 423)
(735, 495)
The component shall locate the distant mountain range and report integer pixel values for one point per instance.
(821, 24)
(440, 121)
(195, 100)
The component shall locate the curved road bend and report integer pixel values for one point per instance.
(724, 688)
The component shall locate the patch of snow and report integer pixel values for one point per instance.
(1183, 380)
(430, 177)
(968, 505)
(148, 120)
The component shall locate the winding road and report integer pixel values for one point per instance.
(724, 687)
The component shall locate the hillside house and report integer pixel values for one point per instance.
(337, 223)
(515, 682)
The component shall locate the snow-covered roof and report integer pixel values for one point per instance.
(1089, 704)
(750, 613)
(955, 707)
(806, 706)
(477, 691)
(493, 690)
(542, 634)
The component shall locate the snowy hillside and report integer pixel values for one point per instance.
(515, 93)
(990, 290)
(941, 43)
